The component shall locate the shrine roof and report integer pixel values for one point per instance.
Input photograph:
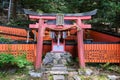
(90, 13)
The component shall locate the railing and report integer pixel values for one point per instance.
(95, 53)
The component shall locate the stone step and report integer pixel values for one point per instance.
(58, 65)
(58, 77)
(76, 77)
(58, 72)
(59, 68)
(71, 69)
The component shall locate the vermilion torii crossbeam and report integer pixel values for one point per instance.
(41, 26)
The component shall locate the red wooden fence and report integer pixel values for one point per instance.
(18, 49)
(13, 33)
(95, 53)
(102, 53)
(102, 37)
(21, 34)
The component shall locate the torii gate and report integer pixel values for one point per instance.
(60, 26)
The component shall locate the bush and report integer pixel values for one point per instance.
(21, 61)
(4, 40)
(9, 60)
(6, 59)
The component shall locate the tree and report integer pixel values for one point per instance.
(108, 10)
(9, 9)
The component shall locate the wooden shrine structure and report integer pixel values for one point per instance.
(59, 25)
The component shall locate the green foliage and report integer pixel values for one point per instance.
(110, 67)
(19, 23)
(21, 61)
(105, 66)
(19, 74)
(3, 75)
(93, 77)
(5, 40)
(108, 10)
(114, 68)
(8, 59)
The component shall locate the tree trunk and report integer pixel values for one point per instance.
(14, 9)
(9, 10)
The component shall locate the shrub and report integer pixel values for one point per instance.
(4, 40)
(8, 59)
(21, 61)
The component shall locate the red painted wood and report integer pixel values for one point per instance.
(101, 37)
(86, 26)
(65, 27)
(46, 48)
(102, 53)
(13, 31)
(39, 45)
(54, 17)
(72, 50)
(34, 25)
(80, 45)
(94, 53)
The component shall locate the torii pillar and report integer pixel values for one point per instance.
(80, 43)
(39, 44)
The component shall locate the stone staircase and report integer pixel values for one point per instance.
(58, 71)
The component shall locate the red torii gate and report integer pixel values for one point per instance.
(41, 26)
